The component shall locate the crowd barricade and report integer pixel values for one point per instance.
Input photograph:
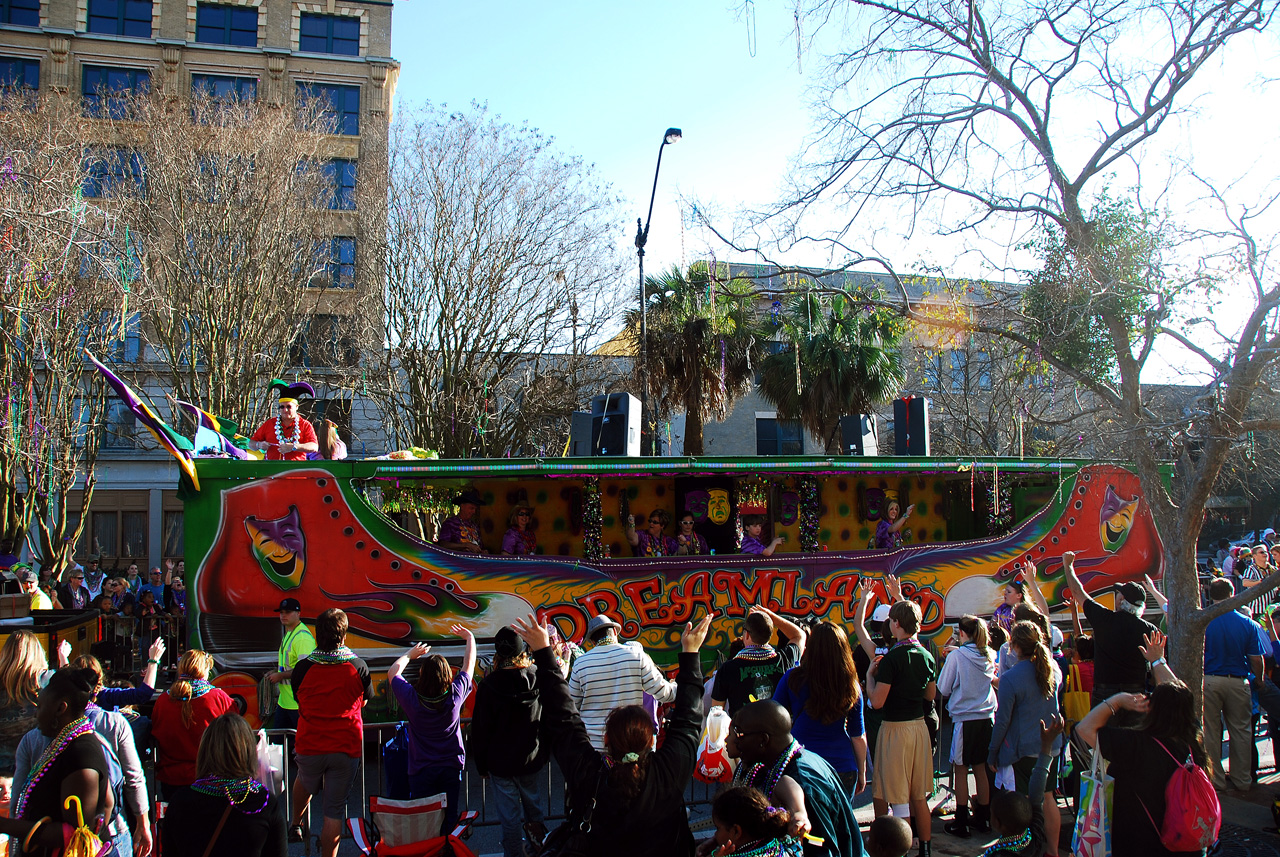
(125, 640)
(475, 792)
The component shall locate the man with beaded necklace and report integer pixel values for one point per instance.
(760, 738)
(755, 671)
(287, 437)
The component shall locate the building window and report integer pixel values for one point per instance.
(340, 268)
(329, 34)
(340, 105)
(983, 361)
(120, 18)
(173, 540)
(223, 88)
(121, 426)
(779, 437)
(958, 361)
(340, 175)
(112, 89)
(220, 24)
(119, 534)
(20, 13)
(19, 74)
(106, 170)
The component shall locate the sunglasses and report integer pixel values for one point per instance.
(739, 734)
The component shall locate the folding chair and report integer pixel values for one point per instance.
(410, 828)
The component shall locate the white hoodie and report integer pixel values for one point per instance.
(966, 678)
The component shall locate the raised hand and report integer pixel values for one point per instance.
(532, 633)
(893, 585)
(459, 631)
(418, 650)
(1154, 648)
(694, 636)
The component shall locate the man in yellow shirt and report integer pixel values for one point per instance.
(31, 585)
(298, 642)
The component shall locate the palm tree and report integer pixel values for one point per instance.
(703, 344)
(848, 361)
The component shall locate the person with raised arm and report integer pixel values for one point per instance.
(889, 530)
(1118, 665)
(628, 799)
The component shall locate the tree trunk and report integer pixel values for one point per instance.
(693, 432)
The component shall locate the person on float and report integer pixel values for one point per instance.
(287, 436)
(689, 542)
(753, 526)
(30, 583)
(461, 532)
(889, 530)
(519, 538)
(332, 447)
(653, 542)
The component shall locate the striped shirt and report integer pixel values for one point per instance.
(613, 675)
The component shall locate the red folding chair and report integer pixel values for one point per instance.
(410, 828)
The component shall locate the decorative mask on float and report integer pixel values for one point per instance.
(695, 503)
(789, 508)
(718, 508)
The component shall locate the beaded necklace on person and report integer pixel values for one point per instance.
(339, 655)
(199, 686)
(909, 641)
(1009, 843)
(297, 432)
(235, 791)
(746, 775)
(756, 653)
(70, 732)
(761, 848)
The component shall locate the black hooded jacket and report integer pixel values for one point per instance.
(504, 724)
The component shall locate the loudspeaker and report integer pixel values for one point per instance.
(858, 435)
(615, 425)
(911, 426)
(579, 433)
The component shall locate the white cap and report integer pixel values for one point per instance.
(881, 613)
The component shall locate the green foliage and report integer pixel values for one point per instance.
(702, 344)
(849, 360)
(1110, 273)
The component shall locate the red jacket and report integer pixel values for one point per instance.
(176, 744)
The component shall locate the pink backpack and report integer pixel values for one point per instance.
(1192, 814)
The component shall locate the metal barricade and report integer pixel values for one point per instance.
(125, 640)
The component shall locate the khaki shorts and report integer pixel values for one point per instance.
(904, 762)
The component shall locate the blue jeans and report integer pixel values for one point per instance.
(433, 781)
(516, 800)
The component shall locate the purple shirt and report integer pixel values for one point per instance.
(751, 544)
(655, 546)
(435, 739)
(519, 542)
(885, 538)
(454, 529)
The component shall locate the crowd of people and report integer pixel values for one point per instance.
(819, 723)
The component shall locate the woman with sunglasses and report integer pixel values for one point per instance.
(519, 539)
(652, 542)
(689, 542)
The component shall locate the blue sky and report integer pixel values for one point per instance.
(607, 79)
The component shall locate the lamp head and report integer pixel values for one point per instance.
(672, 135)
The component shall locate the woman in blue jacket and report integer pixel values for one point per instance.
(1028, 694)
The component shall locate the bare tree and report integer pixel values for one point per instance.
(503, 264)
(973, 115)
(64, 274)
(232, 220)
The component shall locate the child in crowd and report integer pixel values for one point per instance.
(965, 680)
(888, 836)
(747, 824)
(1018, 821)
(1083, 661)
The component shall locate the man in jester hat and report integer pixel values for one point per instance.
(287, 436)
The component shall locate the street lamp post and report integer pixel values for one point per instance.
(642, 238)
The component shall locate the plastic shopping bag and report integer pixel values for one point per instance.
(270, 764)
(714, 764)
(1092, 837)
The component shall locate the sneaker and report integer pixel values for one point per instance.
(296, 834)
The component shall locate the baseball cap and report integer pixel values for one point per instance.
(288, 604)
(26, 575)
(507, 644)
(1133, 593)
(881, 613)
